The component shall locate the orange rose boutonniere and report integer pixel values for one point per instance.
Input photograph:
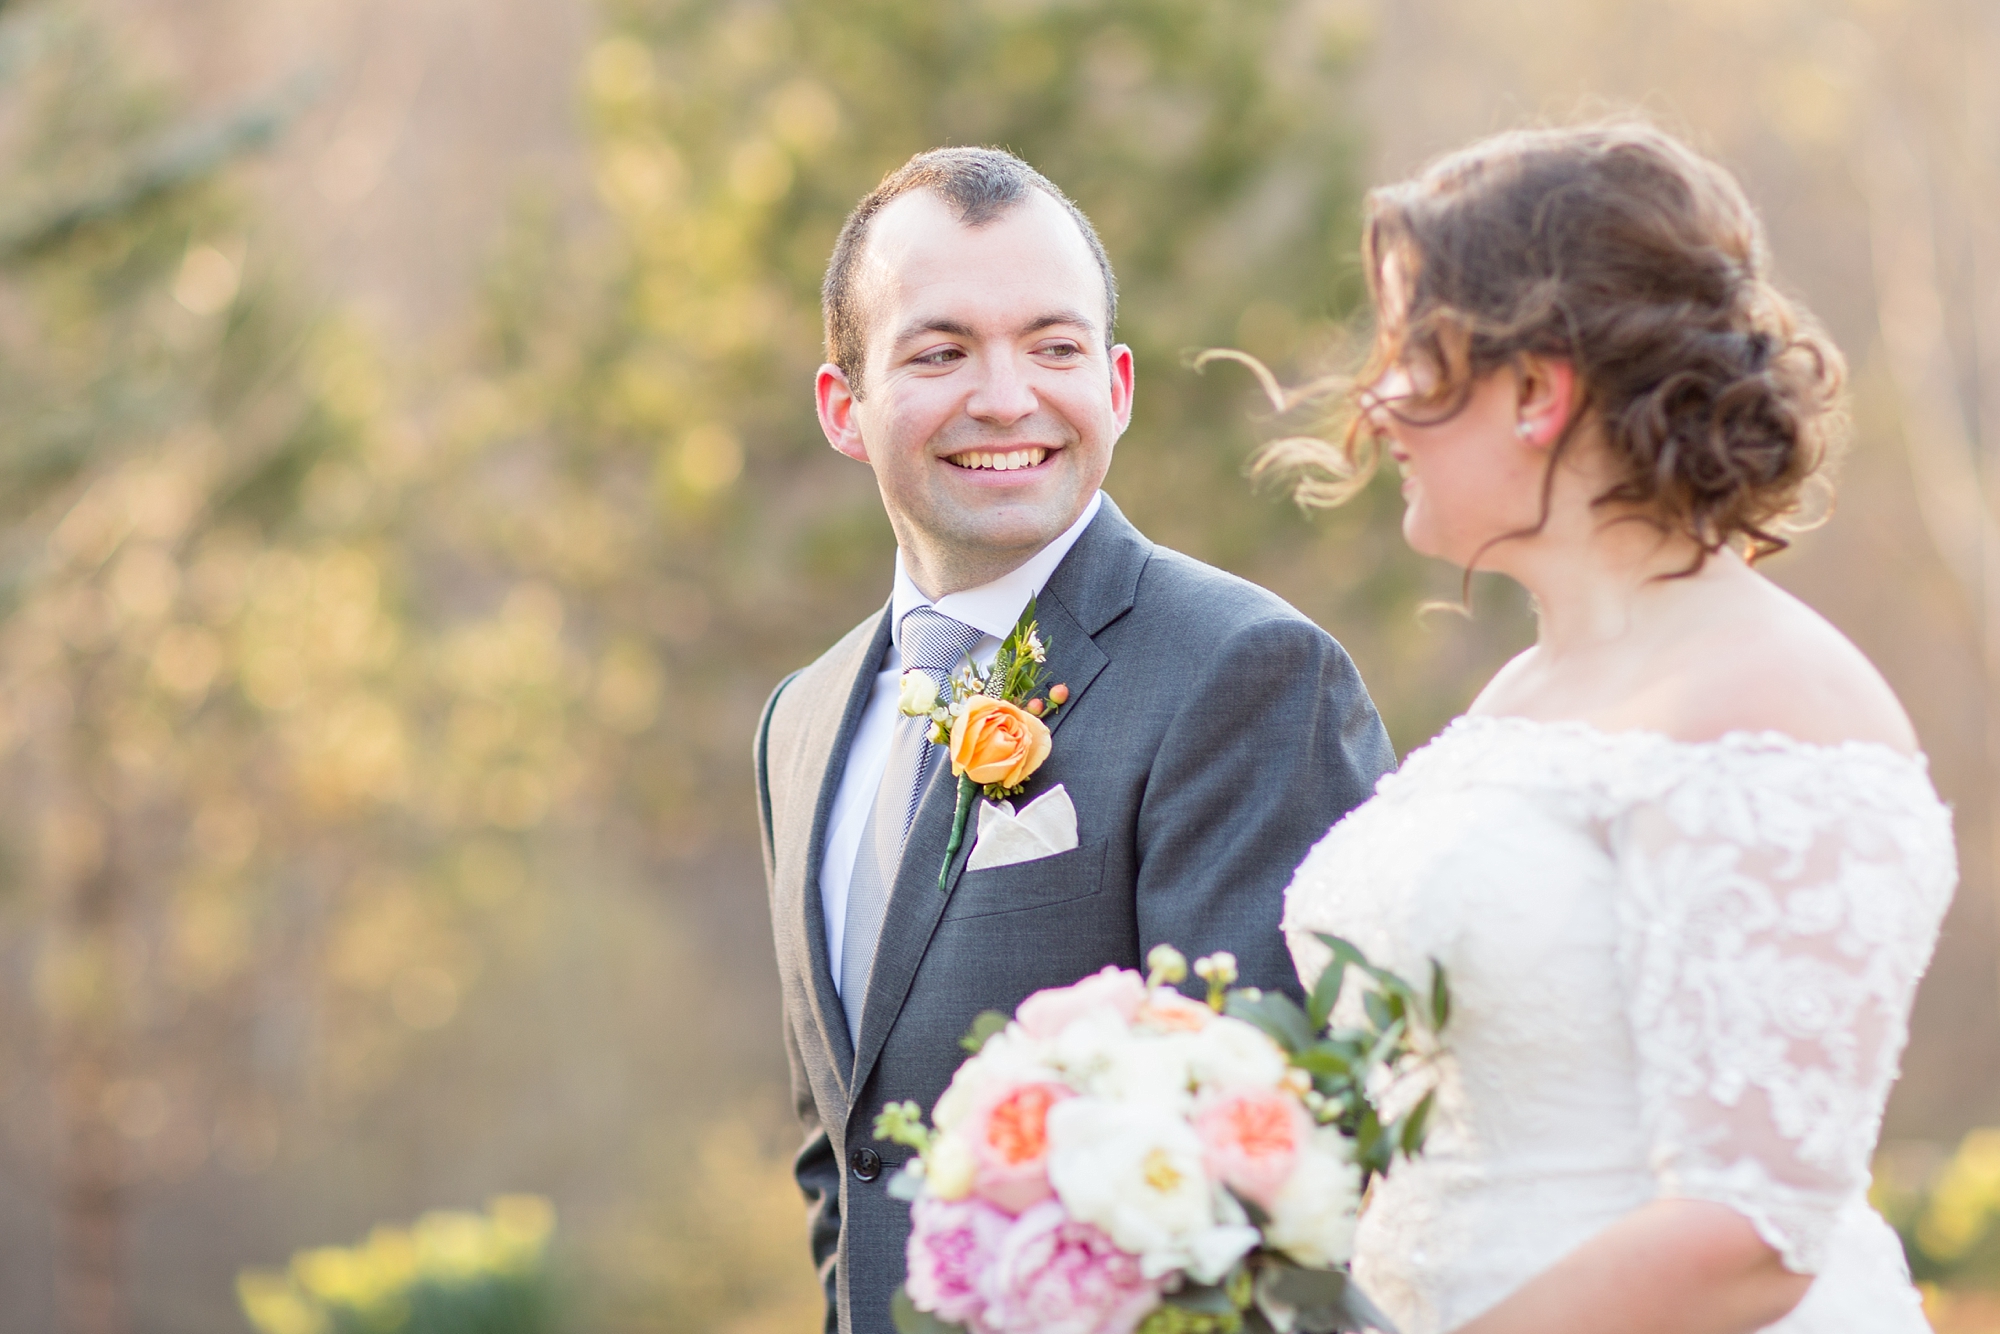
(998, 743)
(994, 727)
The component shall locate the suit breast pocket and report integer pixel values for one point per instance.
(1042, 883)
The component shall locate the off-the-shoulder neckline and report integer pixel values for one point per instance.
(1738, 740)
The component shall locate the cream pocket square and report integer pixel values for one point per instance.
(1042, 828)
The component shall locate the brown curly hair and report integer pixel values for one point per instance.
(1615, 247)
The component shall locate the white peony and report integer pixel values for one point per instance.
(1151, 1070)
(1228, 1053)
(1088, 1044)
(1312, 1219)
(1135, 1171)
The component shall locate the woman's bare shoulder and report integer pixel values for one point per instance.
(1773, 664)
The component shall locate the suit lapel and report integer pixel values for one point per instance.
(824, 751)
(1093, 586)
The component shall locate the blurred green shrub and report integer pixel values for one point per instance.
(451, 1273)
(1947, 1210)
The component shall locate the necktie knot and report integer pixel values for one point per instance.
(934, 642)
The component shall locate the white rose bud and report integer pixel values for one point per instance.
(919, 695)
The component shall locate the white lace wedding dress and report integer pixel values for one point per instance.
(1678, 970)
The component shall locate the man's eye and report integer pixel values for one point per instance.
(1062, 350)
(941, 357)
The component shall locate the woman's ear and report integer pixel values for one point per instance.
(1547, 399)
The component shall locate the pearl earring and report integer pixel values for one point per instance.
(1522, 429)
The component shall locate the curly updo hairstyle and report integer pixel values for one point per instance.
(1617, 248)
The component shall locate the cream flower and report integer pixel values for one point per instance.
(1228, 1053)
(919, 694)
(949, 1168)
(1135, 1170)
(1312, 1218)
(1146, 1069)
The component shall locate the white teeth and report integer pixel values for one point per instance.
(1020, 458)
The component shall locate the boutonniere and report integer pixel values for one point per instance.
(993, 726)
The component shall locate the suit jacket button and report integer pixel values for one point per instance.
(867, 1164)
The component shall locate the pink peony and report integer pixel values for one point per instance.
(1009, 1131)
(1252, 1138)
(951, 1245)
(1054, 1275)
(1049, 1012)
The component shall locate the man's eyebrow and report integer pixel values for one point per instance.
(1055, 317)
(953, 328)
(917, 328)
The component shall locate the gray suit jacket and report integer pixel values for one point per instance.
(1212, 735)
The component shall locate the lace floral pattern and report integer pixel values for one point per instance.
(1684, 969)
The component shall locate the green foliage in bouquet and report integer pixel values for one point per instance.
(451, 1273)
(1394, 1038)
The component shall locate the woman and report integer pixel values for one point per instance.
(1681, 859)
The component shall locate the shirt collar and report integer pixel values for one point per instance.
(992, 608)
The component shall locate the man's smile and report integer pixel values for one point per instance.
(999, 460)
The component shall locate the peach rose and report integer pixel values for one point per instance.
(997, 742)
(1010, 1145)
(1253, 1138)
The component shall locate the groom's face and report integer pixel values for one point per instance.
(989, 403)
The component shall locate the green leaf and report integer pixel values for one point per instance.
(1377, 1006)
(909, 1320)
(1371, 1146)
(1026, 621)
(1415, 1125)
(1359, 1313)
(1203, 1299)
(1325, 1059)
(983, 1028)
(1385, 1046)
(1326, 991)
(1440, 997)
(1274, 1013)
(1327, 1301)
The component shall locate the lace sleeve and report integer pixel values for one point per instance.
(1775, 914)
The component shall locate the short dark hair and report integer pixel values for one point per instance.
(981, 184)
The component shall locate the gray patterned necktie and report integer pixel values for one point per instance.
(930, 642)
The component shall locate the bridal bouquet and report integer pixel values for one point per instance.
(1119, 1158)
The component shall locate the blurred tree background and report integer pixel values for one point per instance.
(412, 494)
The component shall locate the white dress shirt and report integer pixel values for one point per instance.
(992, 608)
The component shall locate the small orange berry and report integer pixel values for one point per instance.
(1058, 693)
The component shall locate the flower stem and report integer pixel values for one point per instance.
(965, 790)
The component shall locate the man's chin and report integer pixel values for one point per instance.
(1005, 530)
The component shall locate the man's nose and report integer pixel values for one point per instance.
(1003, 395)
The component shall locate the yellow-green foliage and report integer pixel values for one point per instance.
(463, 1272)
(1947, 1214)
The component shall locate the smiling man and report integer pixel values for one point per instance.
(1211, 733)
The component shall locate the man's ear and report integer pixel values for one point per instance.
(835, 399)
(1547, 399)
(1121, 386)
